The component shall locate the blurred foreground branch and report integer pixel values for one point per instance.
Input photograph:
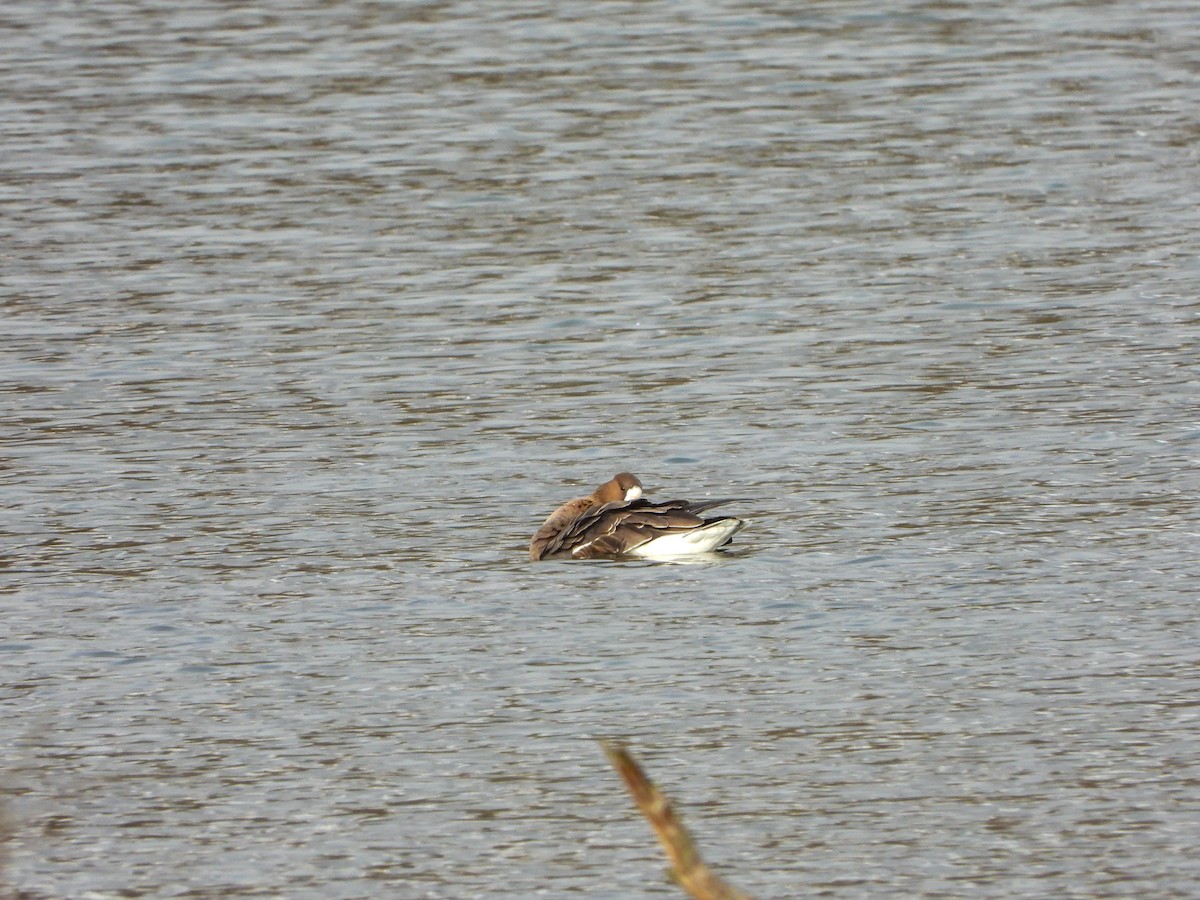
(687, 867)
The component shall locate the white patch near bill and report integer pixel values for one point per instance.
(633, 493)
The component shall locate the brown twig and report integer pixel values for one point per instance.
(687, 867)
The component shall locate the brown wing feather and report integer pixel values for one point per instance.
(586, 530)
(620, 540)
(620, 528)
(603, 532)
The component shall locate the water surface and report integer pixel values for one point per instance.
(314, 311)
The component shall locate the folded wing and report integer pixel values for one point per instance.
(620, 528)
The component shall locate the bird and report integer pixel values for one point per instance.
(616, 521)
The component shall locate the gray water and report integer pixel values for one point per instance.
(314, 310)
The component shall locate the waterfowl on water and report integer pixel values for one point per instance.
(615, 520)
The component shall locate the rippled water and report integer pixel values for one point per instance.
(314, 311)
